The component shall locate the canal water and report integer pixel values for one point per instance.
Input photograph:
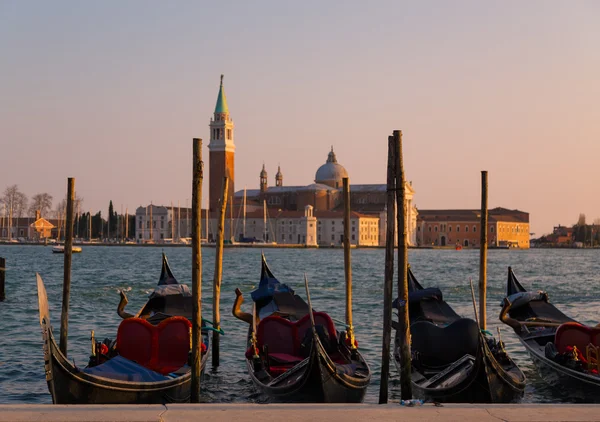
(569, 276)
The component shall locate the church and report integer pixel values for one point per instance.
(311, 215)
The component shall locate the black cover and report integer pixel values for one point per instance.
(536, 310)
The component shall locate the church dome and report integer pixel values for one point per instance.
(331, 173)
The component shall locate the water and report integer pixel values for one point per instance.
(570, 277)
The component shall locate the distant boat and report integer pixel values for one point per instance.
(458, 247)
(61, 249)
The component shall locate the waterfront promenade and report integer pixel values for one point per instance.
(298, 413)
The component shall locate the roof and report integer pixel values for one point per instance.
(221, 106)
(42, 223)
(331, 171)
(494, 214)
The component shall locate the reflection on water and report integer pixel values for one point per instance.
(99, 272)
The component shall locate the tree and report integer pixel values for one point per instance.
(15, 202)
(581, 220)
(41, 202)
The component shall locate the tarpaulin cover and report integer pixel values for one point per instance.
(119, 368)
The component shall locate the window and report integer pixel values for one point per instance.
(457, 228)
(430, 228)
(474, 229)
(283, 237)
(162, 224)
(449, 228)
(162, 236)
(492, 229)
(353, 228)
(154, 224)
(435, 229)
(354, 237)
(319, 238)
(140, 224)
(466, 228)
(140, 236)
(418, 228)
(147, 224)
(332, 237)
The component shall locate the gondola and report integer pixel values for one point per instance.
(287, 362)
(452, 360)
(547, 333)
(148, 361)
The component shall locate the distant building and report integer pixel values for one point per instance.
(506, 228)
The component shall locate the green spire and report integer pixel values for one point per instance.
(221, 106)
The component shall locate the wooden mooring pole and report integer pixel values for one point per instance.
(2, 279)
(219, 273)
(389, 273)
(196, 271)
(68, 252)
(348, 265)
(403, 319)
(483, 250)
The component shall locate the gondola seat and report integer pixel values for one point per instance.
(572, 334)
(283, 338)
(438, 346)
(163, 348)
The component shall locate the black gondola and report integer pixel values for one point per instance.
(452, 360)
(146, 364)
(545, 331)
(288, 363)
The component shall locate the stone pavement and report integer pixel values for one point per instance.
(297, 413)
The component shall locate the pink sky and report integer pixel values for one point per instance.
(113, 92)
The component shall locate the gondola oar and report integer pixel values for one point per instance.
(310, 310)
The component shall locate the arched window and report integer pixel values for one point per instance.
(491, 229)
(466, 228)
(429, 228)
(474, 229)
(435, 228)
(457, 228)
(449, 228)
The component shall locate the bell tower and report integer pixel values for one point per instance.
(263, 180)
(221, 152)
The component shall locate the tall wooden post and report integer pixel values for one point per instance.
(483, 250)
(219, 273)
(2, 279)
(403, 319)
(196, 271)
(68, 252)
(389, 272)
(348, 264)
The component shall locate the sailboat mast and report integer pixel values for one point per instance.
(265, 219)
(231, 236)
(151, 223)
(172, 223)
(126, 224)
(244, 211)
(179, 221)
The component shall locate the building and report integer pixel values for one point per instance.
(160, 223)
(506, 228)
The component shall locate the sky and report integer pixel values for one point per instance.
(113, 92)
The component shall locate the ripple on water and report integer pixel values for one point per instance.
(100, 272)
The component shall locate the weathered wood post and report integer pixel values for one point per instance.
(2, 279)
(483, 250)
(219, 273)
(403, 319)
(389, 272)
(348, 264)
(196, 271)
(68, 252)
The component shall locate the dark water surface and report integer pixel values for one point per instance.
(569, 276)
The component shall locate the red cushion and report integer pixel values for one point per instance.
(574, 334)
(163, 348)
(135, 340)
(173, 343)
(321, 318)
(278, 334)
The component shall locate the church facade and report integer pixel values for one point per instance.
(281, 202)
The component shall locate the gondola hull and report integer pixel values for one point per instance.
(69, 384)
(570, 383)
(479, 380)
(574, 384)
(314, 380)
